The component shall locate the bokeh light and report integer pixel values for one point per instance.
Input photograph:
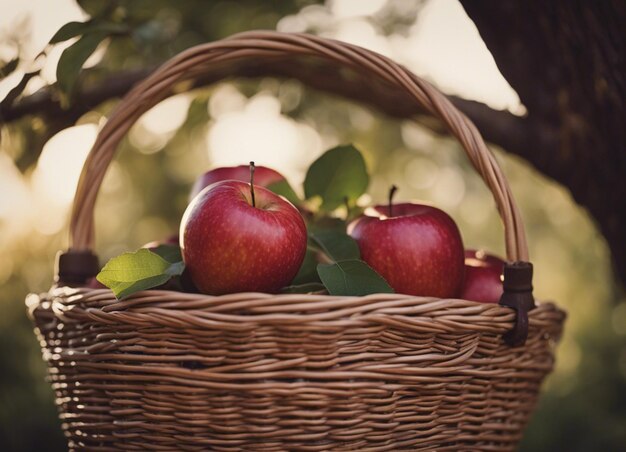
(61, 161)
(255, 130)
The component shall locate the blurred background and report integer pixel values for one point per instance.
(284, 125)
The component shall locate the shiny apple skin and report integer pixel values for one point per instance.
(418, 250)
(230, 246)
(483, 274)
(263, 177)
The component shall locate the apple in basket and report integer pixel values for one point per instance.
(263, 177)
(483, 277)
(417, 248)
(240, 237)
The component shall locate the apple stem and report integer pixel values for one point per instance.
(392, 191)
(252, 184)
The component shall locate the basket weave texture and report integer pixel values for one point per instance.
(165, 370)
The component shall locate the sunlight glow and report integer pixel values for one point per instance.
(353, 8)
(14, 200)
(61, 161)
(39, 20)
(258, 132)
(362, 33)
(444, 45)
(449, 188)
(167, 116)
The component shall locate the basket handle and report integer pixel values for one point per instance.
(200, 59)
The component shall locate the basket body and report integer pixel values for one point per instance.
(256, 372)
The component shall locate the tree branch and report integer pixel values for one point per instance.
(46, 103)
(518, 135)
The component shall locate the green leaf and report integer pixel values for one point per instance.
(337, 245)
(338, 174)
(352, 277)
(283, 188)
(123, 289)
(9, 67)
(170, 253)
(72, 29)
(304, 288)
(97, 8)
(308, 269)
(326, 223)
(141, 270)
(73, 58)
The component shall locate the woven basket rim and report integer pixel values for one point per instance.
(249, 309)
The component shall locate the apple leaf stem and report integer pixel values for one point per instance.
(392, 191)
(252, 184)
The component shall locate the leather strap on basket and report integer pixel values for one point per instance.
(202, 59)
(518, 294)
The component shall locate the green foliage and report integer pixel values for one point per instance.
(336, 245)
(8, 67)
(132, 272)
(308, 270)
(92, 33)
(171, 253)
(73, 58)
(325, 223)
(73, 29)
(98, 8)
(338, 175)
(352, 277)
(283, 188)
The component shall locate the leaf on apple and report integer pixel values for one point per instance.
(282, 188)
(352, 277)
(337, 245)
(334, 243)
(339, 174)
(170, 253)
(132, 272)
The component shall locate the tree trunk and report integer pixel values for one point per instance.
(566, 60)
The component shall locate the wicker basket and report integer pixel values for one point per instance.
(258, 372)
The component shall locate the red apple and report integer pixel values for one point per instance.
(483, 277)
(235, 241)
(263, 176)
(417, 248)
